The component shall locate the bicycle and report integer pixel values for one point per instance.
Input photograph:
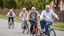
(10, 24)
(51, 32)
(35, 30)
(25, 27)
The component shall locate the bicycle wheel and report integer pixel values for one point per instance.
(12, 25)
(27, 29)
(38, 32)
(9, 25)
(32, 31)
(24, 27)
(52, 32)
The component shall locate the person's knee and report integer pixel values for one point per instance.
(8, 19)
(42, 23)
(46, 24)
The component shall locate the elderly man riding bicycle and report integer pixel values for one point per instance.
(46, 19)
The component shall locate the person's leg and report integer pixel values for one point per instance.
(26, 22)
(46, 27)
(12, 18)
(42, 23)
(8, 20)
(22, 23)
(31, 28)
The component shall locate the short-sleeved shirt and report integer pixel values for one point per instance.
(33, 15)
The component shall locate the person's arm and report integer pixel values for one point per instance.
(37, 14)
(55, 15)
(29, 15)
(20, 14)
(13, 13)
(8, 13)
(41, 16)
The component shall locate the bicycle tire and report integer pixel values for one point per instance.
(24, 27)
(54, 33)
(27, 29)
(32, 31)
(9, 25)
(38, 32)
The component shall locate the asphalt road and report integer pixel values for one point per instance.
(17, 31)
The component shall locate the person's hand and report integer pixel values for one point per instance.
(57, 18)
(28, 18)
(41, 19)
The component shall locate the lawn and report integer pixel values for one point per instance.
(17, 19)
(58, 26)
(5, 17)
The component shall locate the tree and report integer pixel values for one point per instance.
(1, 4)
(10, 4)
(63, 1)
(39, 4)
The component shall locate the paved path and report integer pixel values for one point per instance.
(4, 31)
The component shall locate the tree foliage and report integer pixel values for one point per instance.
(10, 4)
(63, 1)
(39, 4)
(1, 4)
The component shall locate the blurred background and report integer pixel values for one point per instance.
(17, 5)
(5, 5)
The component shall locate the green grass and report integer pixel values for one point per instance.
(17, 19)
(5, 17)
(58, 26)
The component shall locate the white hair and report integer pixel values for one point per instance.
(23, 8)
(11, 10)
(47, 6)
(33, 8)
